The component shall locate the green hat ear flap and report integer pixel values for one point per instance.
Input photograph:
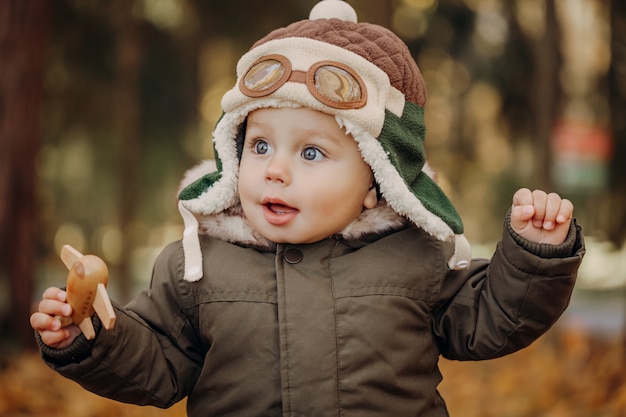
(199, 186)
(195, 189)
(397, 158)
(402, 139)
(435, 201)
(202, 184)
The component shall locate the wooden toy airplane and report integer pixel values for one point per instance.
(86, 290)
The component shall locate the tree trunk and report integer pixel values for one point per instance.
(128, 130)
(617, 90)
(23, 30)
(545, 94)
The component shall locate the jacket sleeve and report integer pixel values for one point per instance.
(497, 307)
(151, 356)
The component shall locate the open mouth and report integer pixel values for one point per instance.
(278, 213)
(279, 208)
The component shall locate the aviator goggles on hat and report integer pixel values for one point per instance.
(331, 83)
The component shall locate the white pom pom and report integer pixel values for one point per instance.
(327, 9)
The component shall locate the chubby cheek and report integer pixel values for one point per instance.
(246, 177)
(244, 192)
(343, 203)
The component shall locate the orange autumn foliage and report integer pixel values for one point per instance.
(563, 374)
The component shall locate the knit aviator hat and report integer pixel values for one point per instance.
(364, 76)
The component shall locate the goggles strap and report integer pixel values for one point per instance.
(297, 77)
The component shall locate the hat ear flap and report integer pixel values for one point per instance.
(403, 140)
(199, 186)
(435, 201)
(397, 158)
(202, 183)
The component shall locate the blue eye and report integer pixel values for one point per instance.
(311, 153)
(261, 147)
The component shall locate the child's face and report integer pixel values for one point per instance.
(301, 178)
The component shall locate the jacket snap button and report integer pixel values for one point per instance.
(292, 256)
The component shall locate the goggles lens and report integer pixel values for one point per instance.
(264, 75)
(337, 84)
(332, 83)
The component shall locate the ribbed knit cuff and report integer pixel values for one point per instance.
(545, 250)
(76, 352)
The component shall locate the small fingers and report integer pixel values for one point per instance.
(557, 211)
(545, 211)
(51, 310)
(522, 197)
(44, 322)
(539, 200)
(522, 210)
(54, 338)
(54, 293)
(553, 205)
(55, 308)
(53, 319)
(566, 211)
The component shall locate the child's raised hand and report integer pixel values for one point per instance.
(53, 319)
(540, 217)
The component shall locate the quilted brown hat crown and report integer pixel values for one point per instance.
(375, 43)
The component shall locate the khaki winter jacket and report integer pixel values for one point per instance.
(334, 328)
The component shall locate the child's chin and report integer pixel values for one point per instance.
(292, 239)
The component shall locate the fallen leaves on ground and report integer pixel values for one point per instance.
(564, 374)
(30, 388)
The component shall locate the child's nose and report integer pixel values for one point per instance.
(277, 171)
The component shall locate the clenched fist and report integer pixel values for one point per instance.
(540, 217)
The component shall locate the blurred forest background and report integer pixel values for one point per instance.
(105, 104)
